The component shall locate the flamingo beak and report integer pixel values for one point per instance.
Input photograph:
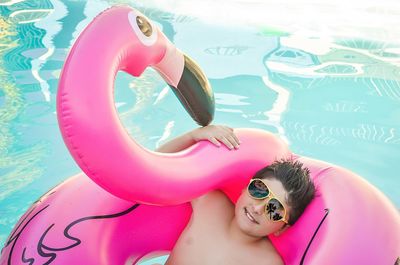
(194, 92)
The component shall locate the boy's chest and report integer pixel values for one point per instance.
(207, 243)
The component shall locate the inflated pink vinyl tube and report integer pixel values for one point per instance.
(80, 223)
(349, 222)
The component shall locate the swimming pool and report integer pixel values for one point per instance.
(331, 94)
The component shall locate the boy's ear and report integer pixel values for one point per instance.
(281, 230)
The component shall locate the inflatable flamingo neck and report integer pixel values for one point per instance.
(85, 105)
(121, 39)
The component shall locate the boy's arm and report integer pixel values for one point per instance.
(177, 144)
(212, 133)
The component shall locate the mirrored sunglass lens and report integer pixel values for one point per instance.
(258, 189)
(275, 210)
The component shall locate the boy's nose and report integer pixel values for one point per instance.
(258, 208)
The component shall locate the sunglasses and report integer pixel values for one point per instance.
(274, 209)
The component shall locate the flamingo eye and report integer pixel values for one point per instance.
(144, 25)
(143, 28)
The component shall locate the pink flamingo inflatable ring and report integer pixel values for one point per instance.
(131, 202)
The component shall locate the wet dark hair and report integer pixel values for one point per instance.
(295, 179)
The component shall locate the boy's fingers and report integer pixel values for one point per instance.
(226, 128)
(232, 134)
(232, 141)
(214, 141)
(236, 138)
(226, 142)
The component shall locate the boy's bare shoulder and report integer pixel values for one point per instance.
(215, 197)
(214, 203)
(211, 211)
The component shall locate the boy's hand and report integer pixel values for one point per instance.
(217, 134)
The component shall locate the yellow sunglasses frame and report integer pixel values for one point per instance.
(270, 196)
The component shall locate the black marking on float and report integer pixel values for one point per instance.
(32, 208)
(15, 238)
(312, 238)
(77, 240)
(11, 237)
(52, 256)
(41, 247)
(25, 260)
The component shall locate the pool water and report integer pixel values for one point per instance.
(330, 94)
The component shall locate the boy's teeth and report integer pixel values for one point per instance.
(249, 216)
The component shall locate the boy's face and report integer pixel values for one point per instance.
(250, 213)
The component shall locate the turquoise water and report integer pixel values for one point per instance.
(331, 97)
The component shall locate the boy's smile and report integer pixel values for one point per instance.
(251, 218)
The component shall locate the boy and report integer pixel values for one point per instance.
(222, 233)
